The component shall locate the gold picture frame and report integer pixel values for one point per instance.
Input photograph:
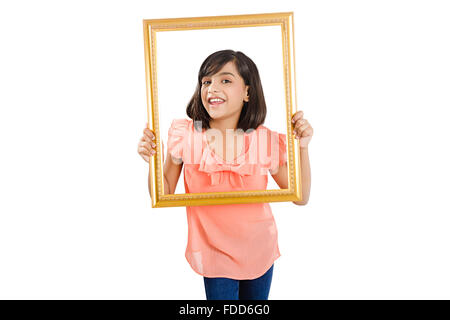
(285, 22)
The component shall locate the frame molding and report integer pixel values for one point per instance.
(283, 19)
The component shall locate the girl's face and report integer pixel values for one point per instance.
(229, 87)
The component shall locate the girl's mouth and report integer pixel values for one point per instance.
(215, 102)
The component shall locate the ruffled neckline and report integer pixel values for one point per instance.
(248, 138)
(214, 165)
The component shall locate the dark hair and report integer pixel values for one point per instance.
(253, 112)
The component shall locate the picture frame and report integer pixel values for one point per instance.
(174, 49)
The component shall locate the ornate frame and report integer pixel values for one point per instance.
(286, 21)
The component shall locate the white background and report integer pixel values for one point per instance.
(76, 220)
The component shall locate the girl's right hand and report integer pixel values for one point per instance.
(147, 145)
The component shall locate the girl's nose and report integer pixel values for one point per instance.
(213, 87)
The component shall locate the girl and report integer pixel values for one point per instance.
(232, 246)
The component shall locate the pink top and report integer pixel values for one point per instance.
(238, 241)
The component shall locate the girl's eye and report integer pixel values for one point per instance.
(210, 81)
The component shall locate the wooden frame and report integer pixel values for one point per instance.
(283, 21)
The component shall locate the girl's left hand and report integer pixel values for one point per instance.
(302, 129)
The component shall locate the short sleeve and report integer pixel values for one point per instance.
(279, 151)
(177, 132)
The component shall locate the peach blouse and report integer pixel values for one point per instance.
(238, 241)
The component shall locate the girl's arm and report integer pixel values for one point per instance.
(306, 176)
(282, 179)
(172, 170)
(303, 132)
(172, 166)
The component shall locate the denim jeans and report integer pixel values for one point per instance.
(231, 289)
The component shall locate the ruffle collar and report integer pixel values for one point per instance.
(214, 166)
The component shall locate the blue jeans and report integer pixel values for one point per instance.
(231, 289)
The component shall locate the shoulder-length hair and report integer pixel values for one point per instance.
(253, 112)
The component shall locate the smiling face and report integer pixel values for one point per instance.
(229, 87)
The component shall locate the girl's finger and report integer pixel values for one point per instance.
(148, 141)
(303, 127)
(149, 133)
(149, 146)
(298, 115)
(146, 151)
(153, 144)
(146, 147)
(144, 142)
(300, 122)
(308, 132)
(145, 138)
(143, 151)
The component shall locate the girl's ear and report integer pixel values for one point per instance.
(246, 94)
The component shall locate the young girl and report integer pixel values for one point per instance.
(232, 246)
